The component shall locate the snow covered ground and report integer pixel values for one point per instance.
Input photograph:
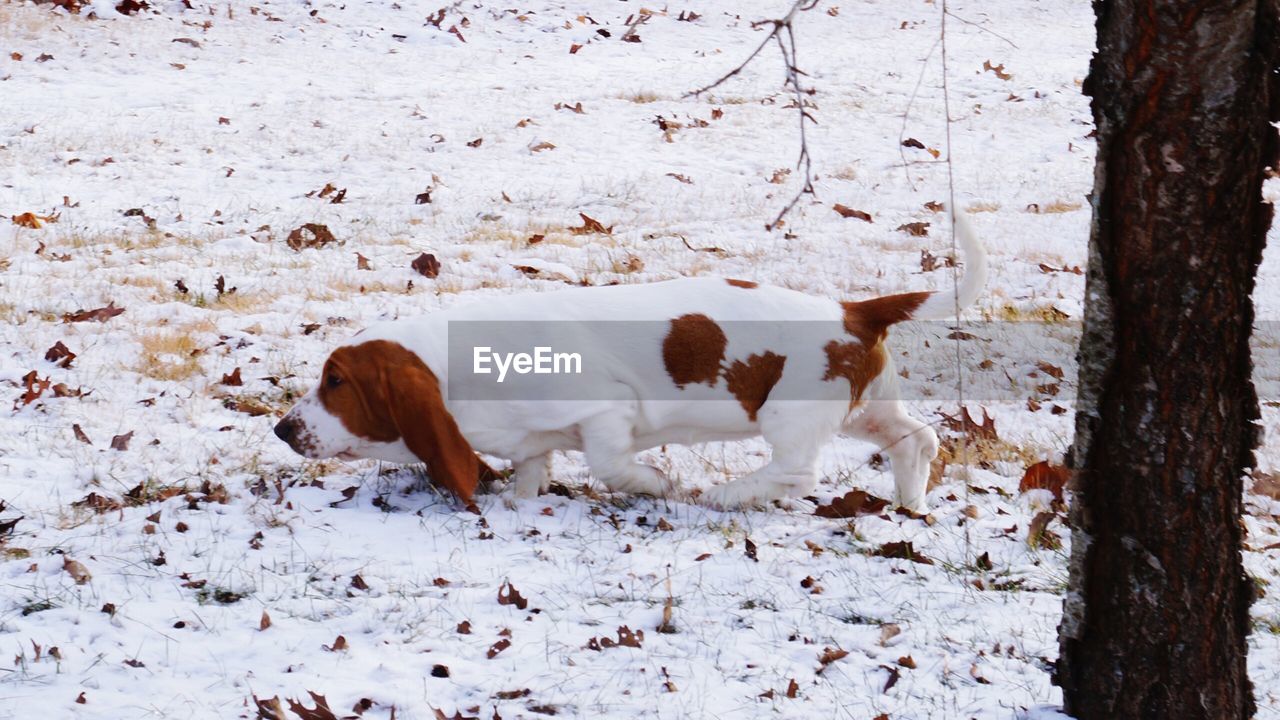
(200, 563)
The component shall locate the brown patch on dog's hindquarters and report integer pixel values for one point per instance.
(693, 350)
(856, 363)
(744, 284)
(752, 381)
(868, 320)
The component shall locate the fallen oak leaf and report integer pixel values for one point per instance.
(918, 229)
(61, 390)
(997, 69)
(60, 355)
(828, 656)
(848, 212)
(309, 235)
(1039, 535)
(121, 442)
(497, 647)
(852, 504)
(34, 387)
(101, 314)
(902, 550)
(76, 569)
(1045, 476)
(269, 709)
(232, 378)
(426, 265)
(320, 712)
(80, 435)
(511, 596)
(32, 220)
(591, 225)
(986, 430)
(893, 677)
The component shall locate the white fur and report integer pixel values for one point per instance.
(625, 419)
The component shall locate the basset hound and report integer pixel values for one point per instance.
(680, 361)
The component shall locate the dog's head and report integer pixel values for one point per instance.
(377, 399)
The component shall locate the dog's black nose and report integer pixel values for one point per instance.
(285, 430)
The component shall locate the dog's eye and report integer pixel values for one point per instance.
(332, 381)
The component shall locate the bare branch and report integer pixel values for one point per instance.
(783, 33)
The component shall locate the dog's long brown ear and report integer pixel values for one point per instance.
(425, 425)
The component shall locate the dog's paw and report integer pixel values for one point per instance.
(641, 480)
(735, 495)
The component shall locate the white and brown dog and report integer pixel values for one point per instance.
(694, 360)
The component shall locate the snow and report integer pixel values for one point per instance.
(370, 97)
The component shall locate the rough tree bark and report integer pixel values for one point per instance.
(1156, 618)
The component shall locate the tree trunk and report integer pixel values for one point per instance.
(1157, 614)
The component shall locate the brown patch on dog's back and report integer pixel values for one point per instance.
(744, 284)
(856, 363)
(868, 320)
(752, 381)
(693, 350)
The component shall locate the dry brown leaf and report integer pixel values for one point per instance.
(511, 596)
(497, 647)
(626, 637)
(997, 69)
(852, 504)
(986, 430)
(232, 378)
(320, 712)
(33, 388)
(309, 235)
(590, 225)
(1268, 484)
(426, 265)
(848, 212)
(32, 220)
(902, 550)
(889, 631)
(76, 569)
(1045, 476)
(60, 355)
(265, 621)
(79, 433)
(830, 655)
(1039, 535)
(339, 644)
(918, 229)
(101, 314)
(362, 262)
(121, 442)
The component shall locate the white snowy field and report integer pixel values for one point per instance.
(200, 563)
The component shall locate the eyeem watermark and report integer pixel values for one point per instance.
(542, 361)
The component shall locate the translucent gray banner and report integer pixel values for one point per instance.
(998, 362)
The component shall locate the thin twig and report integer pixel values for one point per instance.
(983, 29)
(906, 114)
(955, 272)
(783, 33)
